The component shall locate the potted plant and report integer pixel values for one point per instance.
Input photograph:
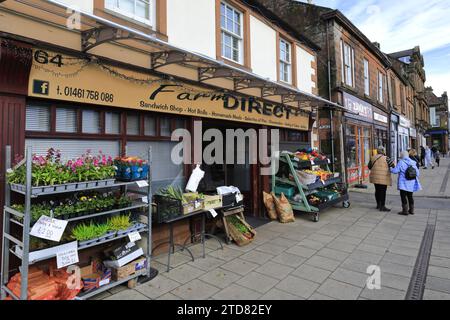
(119, 223)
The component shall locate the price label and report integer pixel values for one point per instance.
(312, 161)
(103, 282)
(49, 228)
(142, 183)
(67, 255)
(145, 199)
(213, 212)
(134, 236)
(329, 161)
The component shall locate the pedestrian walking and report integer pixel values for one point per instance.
(408, 182)
(422, 156)
(428, 158)
(437, 158)
(413, 156)
(380, 176)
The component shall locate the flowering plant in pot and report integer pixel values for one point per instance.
(131, 168)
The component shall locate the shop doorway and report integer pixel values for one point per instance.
(243, 176)
(358, 152)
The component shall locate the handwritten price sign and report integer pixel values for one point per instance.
(68, 255)
(49, 229)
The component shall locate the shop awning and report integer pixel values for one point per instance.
(181, 63)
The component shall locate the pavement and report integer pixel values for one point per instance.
(319, 261)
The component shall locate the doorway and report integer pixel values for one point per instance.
(358, 152)
(242, 175)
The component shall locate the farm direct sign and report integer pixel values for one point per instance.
(58, 77)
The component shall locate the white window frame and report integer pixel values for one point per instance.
(232, 34)
(115, 8)
(285, 62)
(380, 87)
(348, 64)
(366, 77)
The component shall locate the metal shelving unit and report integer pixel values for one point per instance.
(9, 241)
(304, 190)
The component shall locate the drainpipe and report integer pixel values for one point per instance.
(329, 98)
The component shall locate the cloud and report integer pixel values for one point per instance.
(400, 25)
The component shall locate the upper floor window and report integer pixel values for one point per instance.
(366, 78)
(285, 61)
(380, 87)
(231, 27)
(138, 10)
(348, 64)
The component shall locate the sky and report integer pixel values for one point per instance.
(401, 25)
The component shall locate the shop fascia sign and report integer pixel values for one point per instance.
(413, 132)
(358, 106)
(380, 118)
(92, 84)
(405, 122)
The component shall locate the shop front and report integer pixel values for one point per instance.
(404, 142)
(395, 119)
(358, 138)
(380, 129)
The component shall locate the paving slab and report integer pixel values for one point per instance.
(236, 292)
(275, 270)
(354, 278)
(311, 273)
(257, 257)
(271, 248)
(185, 273)
(195, 290)
(220, 278)
(435, 295)
(240, 266)
(290, 260)
(339, 290)
(276, 294)
(157, 287)
(384, 293)
(127, 295)
(258, 282)
(299, 287)
(322, 262)
(438, 284)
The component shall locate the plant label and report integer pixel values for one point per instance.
(134, 236)
(329, 161)
(67, 255)
(142, 183)
(312, 161)
(213, 212)
(145, 199)
(49, 228)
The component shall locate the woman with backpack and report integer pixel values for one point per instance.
(380, 176)
(408, 182)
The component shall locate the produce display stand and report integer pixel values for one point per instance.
(184, 246)
(22, 247)
(304, 190)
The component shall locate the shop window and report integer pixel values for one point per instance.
(149, 126)
(66, 120)
(38, 118)
(133, 127)
(231, 26)
(139, 10)
(165, 127)
(366, 78)
(112, 123)
(91, 121)
(285, 61)
(380, 87)
(180, 124)
(348, 63)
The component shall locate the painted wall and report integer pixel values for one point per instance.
(263, 44)
(191, 25)
(305, 71)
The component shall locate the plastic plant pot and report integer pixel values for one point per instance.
(110, 182)
(92, 184)
(126, 173)
(111, 234)
(71, 186)
(48, 189)
(144, 172)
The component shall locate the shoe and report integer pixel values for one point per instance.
(425, 168)
(378, 206)
(411, 210)
(404, 212)
(384, 209)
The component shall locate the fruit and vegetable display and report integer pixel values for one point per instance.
(309, 155)
(242, 228)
